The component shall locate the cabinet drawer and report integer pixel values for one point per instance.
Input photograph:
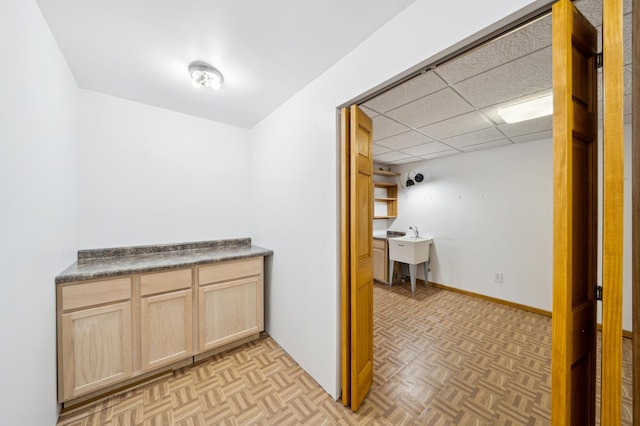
(165, 281)
(229, 270)
(96, 293)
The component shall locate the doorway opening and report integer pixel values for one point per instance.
(399, 152)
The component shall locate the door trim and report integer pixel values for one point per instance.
(612, 212)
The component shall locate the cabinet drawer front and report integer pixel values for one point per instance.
(165, 281)
(379, 244)
(229, 270)
(97, 293)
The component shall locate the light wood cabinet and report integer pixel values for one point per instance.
(230, 302)
(94, 342)
(380, 260)
(166, 318)
(117, 331)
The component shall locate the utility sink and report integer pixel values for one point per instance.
(410, 250)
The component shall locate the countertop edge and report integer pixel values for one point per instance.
(222, 256)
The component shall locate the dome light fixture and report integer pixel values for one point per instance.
(204, 75)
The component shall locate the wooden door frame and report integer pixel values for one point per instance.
(612, 212)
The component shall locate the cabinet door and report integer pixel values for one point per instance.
(229, 311)
(96, 348)
(380, 260)
(166, 328)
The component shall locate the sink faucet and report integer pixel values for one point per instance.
(415, 231)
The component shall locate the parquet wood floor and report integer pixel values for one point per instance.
(441, 358)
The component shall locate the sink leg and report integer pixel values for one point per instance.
(412, 275)
(391, 262)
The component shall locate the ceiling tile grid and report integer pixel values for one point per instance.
(414, 89)
(486, 145)
(456, 125)
(473, 138)
(430, 109)
(453, 108)
(525, 40)
(529, 74)
(404, 140)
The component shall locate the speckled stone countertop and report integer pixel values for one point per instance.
(389, 234)
(101, 263)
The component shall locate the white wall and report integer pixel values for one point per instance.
(488, 211)
(154, 176)
(294, 159)
(38, 213)
(492, 211)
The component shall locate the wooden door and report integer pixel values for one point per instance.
(166, 328)
(574, 217)
(358, 281)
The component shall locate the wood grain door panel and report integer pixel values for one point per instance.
(361, 255)
(96, 348)
(166, 328)
(575, 217)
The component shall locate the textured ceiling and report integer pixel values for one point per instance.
(267, 50)
(452, 109)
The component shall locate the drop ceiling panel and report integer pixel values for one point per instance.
(371, 113)
(440, 154)
(462, 116)
(427, 148)
(383, 127)
(408, 160)
(431, 109)
(529, 74)
(473, 138)
(390, 156)
(533, 136)
(455, 126)
(486, 145)
(529, 39)
(627, 80)
(377, 149)
(525, 127)
(627, 36)
(404, 140)
(409, 91)
(592, 10)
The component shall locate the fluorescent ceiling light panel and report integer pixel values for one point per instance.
(528, 110)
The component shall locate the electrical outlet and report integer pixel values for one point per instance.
(497, 277)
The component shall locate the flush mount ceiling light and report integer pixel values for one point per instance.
(204, 75)
(527, 110)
